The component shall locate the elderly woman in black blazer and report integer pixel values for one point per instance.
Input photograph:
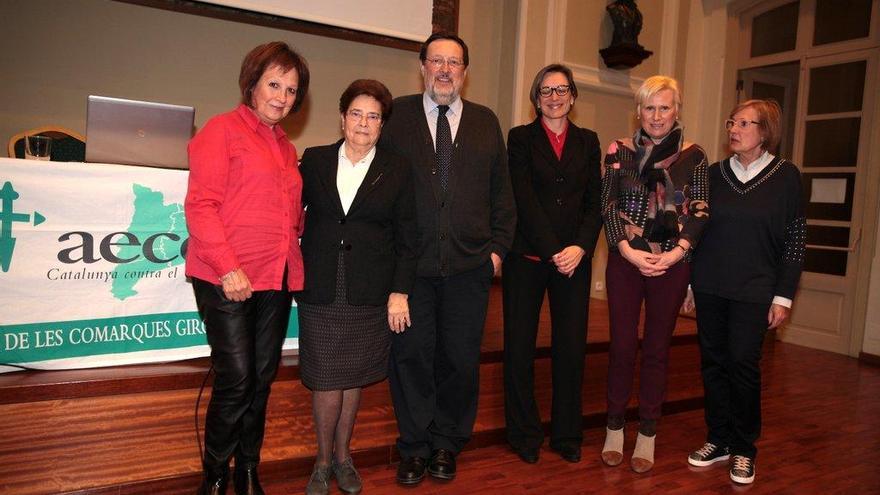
(554, 168)
(359, 256)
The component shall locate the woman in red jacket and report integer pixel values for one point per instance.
(243, 213)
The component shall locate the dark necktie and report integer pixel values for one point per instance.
(444, 146)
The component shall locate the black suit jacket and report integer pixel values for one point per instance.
(377, 235)
(476, 216)
(557, 200)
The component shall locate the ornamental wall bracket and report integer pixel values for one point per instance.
(625, 50)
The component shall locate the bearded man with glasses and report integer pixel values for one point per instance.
(466, 218)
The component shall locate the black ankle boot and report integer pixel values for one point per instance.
(246, 481)
(213, 484)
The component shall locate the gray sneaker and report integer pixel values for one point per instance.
(708, 454)
(742, 469)
(319, 483)
(347, 476)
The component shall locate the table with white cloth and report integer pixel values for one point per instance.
(92, 267)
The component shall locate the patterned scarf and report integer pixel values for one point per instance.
(654, 160)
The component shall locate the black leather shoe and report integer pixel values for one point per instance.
(246, 481)
(411, 471)
(570, 454)
(442, 465)
(529, 455)
(213, 485)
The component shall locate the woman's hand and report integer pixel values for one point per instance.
(568, 259)
(688, 305)
(496, 264)
(777, 314)
(398, 312)
(236, 285)
(669, 258)
(646, 262)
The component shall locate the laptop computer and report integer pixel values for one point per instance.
(137, 132)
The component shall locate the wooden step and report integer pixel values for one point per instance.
(30, 386)
(131, 430)
(145, 442)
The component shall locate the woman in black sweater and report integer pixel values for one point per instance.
(744, 278)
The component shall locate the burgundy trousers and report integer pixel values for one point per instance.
(662, 296)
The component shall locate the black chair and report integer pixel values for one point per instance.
(67, 145)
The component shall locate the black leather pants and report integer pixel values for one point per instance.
(245, 339)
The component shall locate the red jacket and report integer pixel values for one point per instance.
(243, 205)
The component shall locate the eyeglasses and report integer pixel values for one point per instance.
(560, 90)
(357, 116)
(741, 123)
(437, 62)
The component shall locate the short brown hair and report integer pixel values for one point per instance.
(443, 35)
(539, 78)
(366, 87)
(269, 55)
(769, 121)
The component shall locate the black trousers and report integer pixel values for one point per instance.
(524, 284)
(434, 371)
(731, 334)
(245, 339)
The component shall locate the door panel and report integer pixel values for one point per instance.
(830, 148)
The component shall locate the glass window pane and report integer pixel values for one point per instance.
(821, 209)
(775, 31)
(828, 236)
(840, 20)
(822, 261)
(837, 88)
(832, 143)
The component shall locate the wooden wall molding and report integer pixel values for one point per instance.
(444, 18)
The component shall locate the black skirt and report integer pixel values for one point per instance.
(342, 346)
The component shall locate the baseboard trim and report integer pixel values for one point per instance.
(870, 359)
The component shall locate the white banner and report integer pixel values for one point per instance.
(92, 267)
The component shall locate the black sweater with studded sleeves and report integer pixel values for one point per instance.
(753, 247)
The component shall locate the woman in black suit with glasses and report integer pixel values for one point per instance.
(554, 169)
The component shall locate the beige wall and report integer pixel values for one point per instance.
(583, 40)
(52, 63)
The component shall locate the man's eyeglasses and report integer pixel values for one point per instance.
(357, 115)
(560, 90)
(741, 123)
(437, 62)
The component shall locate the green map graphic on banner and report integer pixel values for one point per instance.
(151, 214)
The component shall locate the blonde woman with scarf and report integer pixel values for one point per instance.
(654, 205)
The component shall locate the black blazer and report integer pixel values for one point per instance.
(476, 216)
(557, 201)
(377, 235)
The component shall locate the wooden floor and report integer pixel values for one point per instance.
(821, 436)
(130, 430)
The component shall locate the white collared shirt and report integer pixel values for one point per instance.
(349, 176)
(453, 115)
(745, 174)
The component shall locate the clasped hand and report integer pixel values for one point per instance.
(650, 264)
(568, 259)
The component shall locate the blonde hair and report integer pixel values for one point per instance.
(654, 85)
